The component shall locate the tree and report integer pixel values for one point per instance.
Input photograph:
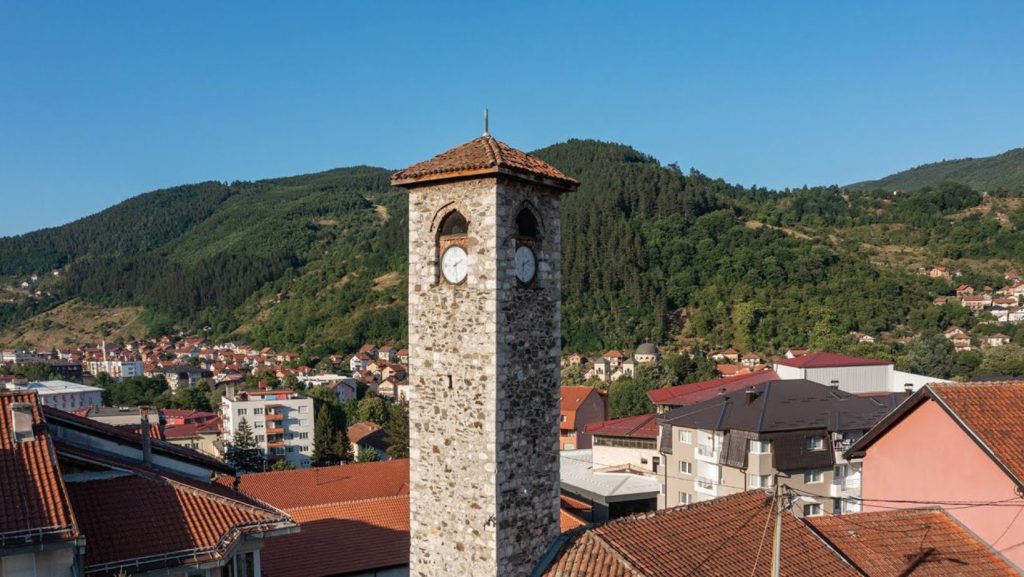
(397, 431)
(196, 398)
(627, 397)
(242, 452)
(372, 409)
(367, 456)
(330, 446)
(928, 355)
(572, 376)
(1007, 360)
(282, 465)
(292, 383)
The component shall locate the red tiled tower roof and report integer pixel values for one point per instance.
(482, 157)
(34, 504)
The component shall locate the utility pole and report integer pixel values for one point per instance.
(777, 533)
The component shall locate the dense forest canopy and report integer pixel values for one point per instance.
(650, 253)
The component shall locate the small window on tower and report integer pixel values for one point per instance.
(526, 224)
(454, 224)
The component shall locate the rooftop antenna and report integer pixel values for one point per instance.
(486, 131)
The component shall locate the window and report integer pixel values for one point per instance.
(303, 435)
(812, 509)
(627, 443)
(812, 477)
(815, 443)
(257, 411)
(562, 419)
(685, 467)
(686, 437)
(260, 438)
(685, 498)
(526, 224)
(257, 425)
(303, 409)
(655, 463)
(757, 446)
(242, 412)
(759, 481)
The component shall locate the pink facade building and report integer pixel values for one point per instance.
(957, 446)
(581, 406)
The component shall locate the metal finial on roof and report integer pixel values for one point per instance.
(486, 131)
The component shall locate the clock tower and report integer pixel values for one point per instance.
(484, 350)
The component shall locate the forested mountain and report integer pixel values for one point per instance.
(990, 173)
(650, 252)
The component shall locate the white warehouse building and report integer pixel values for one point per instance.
(851, 374)
(65, 395)
(282, 422)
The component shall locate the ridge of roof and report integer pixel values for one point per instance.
(824, 359)
(483, 156)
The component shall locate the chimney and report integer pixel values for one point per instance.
(834, 384)
(908, 388)
(147, 448)
(21, 422)
(751, 394)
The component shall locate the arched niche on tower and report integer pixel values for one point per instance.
(451, 230)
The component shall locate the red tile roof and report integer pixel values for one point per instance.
(483, 156)
(568, 521)
(821, 360)
(918, 542)
(641, 426)
(136, 516)
(34, 505)
(692, 393)
(341, 538)
(717, 538)
(574, 504)
(318, 486)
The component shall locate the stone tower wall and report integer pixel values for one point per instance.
(484, 359)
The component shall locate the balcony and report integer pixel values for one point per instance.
(707, 453)
(842, 486)
(272, 444)
(275, 430)
(274, 417)
(706, 486)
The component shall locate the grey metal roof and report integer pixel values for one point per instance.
(785, 405)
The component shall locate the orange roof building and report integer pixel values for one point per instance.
(580, 406)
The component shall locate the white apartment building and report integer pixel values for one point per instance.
(282, 422)
(65, 395)
(118, 370)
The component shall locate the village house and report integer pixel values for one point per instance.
(964, 290)
(106, 501)
(862, 337)
(960, 339)
(953, 443)
(367, 436)
(976, 302)
(729, 355)
(580, 406)
(742, 440)
(727, 536)
(997, 340)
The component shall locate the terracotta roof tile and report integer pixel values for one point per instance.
(994, 411)
(568, 521)
(918, 542)
(821, 360)
(341, 538)
(34, 504)
(717, 538)
(483, 156)
(132, 517)
(641, 426)
(323, 485)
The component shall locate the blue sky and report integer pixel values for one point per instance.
(100, 101)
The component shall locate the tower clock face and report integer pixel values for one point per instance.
(454, 264)
(526, 264)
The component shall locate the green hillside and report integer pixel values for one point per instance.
(992, 173)
(317, 262)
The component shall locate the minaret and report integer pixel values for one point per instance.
(484, 349)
